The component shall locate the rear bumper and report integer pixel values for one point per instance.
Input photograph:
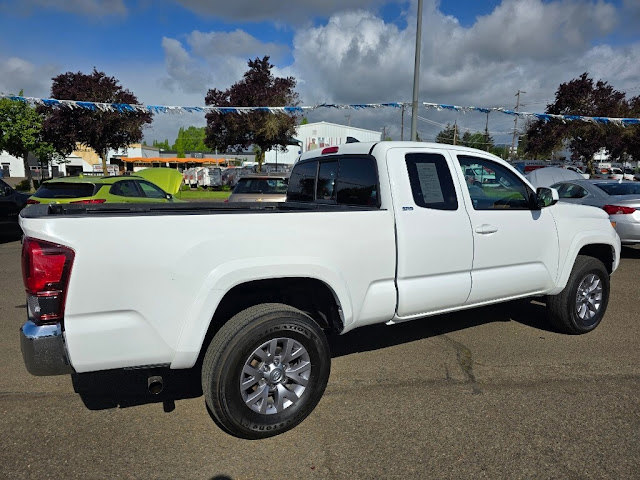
(43, 349)
(629, 231)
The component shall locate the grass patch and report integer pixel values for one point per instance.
(202, 195)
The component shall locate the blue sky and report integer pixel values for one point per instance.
(354, 51)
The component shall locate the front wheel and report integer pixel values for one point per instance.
(265, 371)
(579, 308)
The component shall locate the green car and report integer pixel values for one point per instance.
(122, 189)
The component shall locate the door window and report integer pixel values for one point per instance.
(152, 191)
(493, 186)
(571, 190)
(431, 181)
(126, 188)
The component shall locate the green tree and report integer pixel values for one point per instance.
(100, 130)
(21, 131)
(191, 140)
(162, 145)
(258, 88)
(448, 135)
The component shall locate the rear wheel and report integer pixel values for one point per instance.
(265, 371)
(579, 308)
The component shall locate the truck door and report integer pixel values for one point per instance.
(434, 239)
(515, 247)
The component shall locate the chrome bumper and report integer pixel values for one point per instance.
(43, 349)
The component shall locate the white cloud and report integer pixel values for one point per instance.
(213, 59)
(531, 45)
(213, 45)
(18, 74)
(184, 72)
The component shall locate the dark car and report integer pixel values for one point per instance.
(11, 202)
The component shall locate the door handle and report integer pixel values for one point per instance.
(485, 229)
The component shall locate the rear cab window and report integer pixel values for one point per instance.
(66, 190)
(342, 180)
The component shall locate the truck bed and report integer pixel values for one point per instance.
(189, 208)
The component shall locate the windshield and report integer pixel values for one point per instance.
(620, 188)
(66, 190)
(261, 185)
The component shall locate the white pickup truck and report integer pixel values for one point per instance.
(370, 233)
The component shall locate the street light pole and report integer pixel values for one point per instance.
(416, 76)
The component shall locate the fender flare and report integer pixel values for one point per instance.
(231, 274)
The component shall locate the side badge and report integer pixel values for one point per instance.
(407, 209)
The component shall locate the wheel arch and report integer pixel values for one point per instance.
(312, 296)
(602, 250)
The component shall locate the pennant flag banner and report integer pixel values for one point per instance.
(157, 109)
(540, 116)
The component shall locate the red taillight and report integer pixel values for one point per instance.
(618, 210)
(32, 202)
(45, 272)
(93, 200)
(328, 150)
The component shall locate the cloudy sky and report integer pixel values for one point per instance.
(474, 52)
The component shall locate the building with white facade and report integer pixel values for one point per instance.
(320, 135)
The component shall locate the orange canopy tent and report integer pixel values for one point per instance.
(202, 161)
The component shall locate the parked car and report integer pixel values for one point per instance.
(547, 176)
(260, 188)
(620, 199)
(120, 189)
(577, 169)
(11, 202)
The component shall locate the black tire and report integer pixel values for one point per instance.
(563, 310)
(238, 342)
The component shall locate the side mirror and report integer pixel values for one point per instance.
(169, 196)
(545, 197)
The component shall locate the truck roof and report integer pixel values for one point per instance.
(366, 148)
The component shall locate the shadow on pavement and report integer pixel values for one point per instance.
(10, 233)
(527, 312)
(630, 252)
(128, 388)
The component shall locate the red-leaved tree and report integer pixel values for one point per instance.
(100, 130)
(258, 88)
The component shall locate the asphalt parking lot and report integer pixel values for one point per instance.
(489, 393)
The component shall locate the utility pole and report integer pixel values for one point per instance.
(402, 124)
(486, 134)
(515, 125)
(455, 131)
(348, 117)
(416, 76)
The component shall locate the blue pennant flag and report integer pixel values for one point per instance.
(87, 105)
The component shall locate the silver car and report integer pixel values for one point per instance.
(620, 199)
(260, 188)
